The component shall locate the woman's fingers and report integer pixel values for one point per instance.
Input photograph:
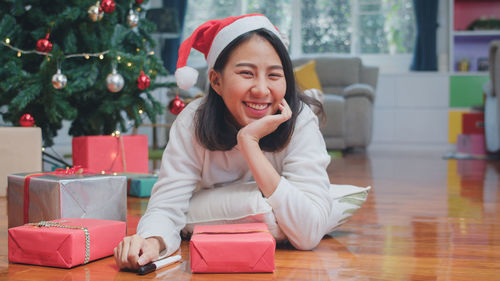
(286, 111)
(128, 252)
(268, 124)
(134, 249)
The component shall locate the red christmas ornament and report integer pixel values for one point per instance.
(143, 81)
(43, 45)
(139, 2)
(108, 6)
(176, 105)
(27, 120)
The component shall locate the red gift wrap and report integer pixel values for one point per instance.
(232, 248)
(112, 153)
(64, 243)
(473, 123)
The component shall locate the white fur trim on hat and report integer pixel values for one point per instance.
(186, 77)
(235, 29)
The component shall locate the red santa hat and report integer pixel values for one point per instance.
(211, 38)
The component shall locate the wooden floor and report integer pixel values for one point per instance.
(425, 219)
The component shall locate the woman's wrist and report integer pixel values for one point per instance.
(243, 137)
(156, 242)
(246, 142)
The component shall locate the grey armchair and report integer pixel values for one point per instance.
(349, 93)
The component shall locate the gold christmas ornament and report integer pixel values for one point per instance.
(95, 12)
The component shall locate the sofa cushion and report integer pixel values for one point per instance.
(338, 71)
(306, 77)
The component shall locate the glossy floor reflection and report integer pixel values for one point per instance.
(425, 219)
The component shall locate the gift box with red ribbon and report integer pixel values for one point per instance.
(70, 193)
(65, 242)
(232, 248)
(112, 153)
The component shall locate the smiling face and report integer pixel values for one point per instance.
(252, 83)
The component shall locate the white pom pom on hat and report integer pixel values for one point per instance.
(211, 38)
(186, 77)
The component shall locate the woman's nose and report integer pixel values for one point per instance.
(260, 88)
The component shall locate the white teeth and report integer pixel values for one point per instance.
(257, 106)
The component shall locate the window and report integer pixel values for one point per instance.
(351, 27)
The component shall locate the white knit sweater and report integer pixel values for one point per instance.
(300, 202)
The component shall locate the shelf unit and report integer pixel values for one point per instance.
(471, 45)
(466, 86)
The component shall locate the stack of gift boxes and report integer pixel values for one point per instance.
(72, 216)
(64, 210)
(472, 141)
(123, 155)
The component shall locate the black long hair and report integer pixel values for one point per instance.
(214, 125)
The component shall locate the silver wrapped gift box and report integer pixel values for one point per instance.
(66, 196)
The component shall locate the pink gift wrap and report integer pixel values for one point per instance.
(59, 246)
(471, 144)
(112, 154)
(232, 248)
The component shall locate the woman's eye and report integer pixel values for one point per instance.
(275, 75)
(246, 73)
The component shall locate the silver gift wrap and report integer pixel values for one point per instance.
(67, 196)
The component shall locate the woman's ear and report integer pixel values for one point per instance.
(214, 78)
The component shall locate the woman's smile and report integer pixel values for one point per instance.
(252, 83)
(256, 110)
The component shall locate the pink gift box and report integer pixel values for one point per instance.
(232, 248)
(63, 243)
(112, 154)
(471, 144)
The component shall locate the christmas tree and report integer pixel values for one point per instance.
(87, 62)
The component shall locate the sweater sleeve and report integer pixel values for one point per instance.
(179, 174)
(300, 202)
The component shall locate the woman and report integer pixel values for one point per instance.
(252, 125)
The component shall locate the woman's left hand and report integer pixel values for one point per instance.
(266, 125)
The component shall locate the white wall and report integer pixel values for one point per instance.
(411, 111)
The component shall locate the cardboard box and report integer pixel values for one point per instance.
(65, 242)
(20, 151)
(54, 196)
(232, 248)
(112, 154)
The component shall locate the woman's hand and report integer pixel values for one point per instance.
(266, 125)
(248, 140)
(134, 251)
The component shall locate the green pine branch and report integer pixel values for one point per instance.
(25, 81)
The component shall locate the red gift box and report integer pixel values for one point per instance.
(65, 242)
(232, 248)
(112, 154)
(473, 123)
